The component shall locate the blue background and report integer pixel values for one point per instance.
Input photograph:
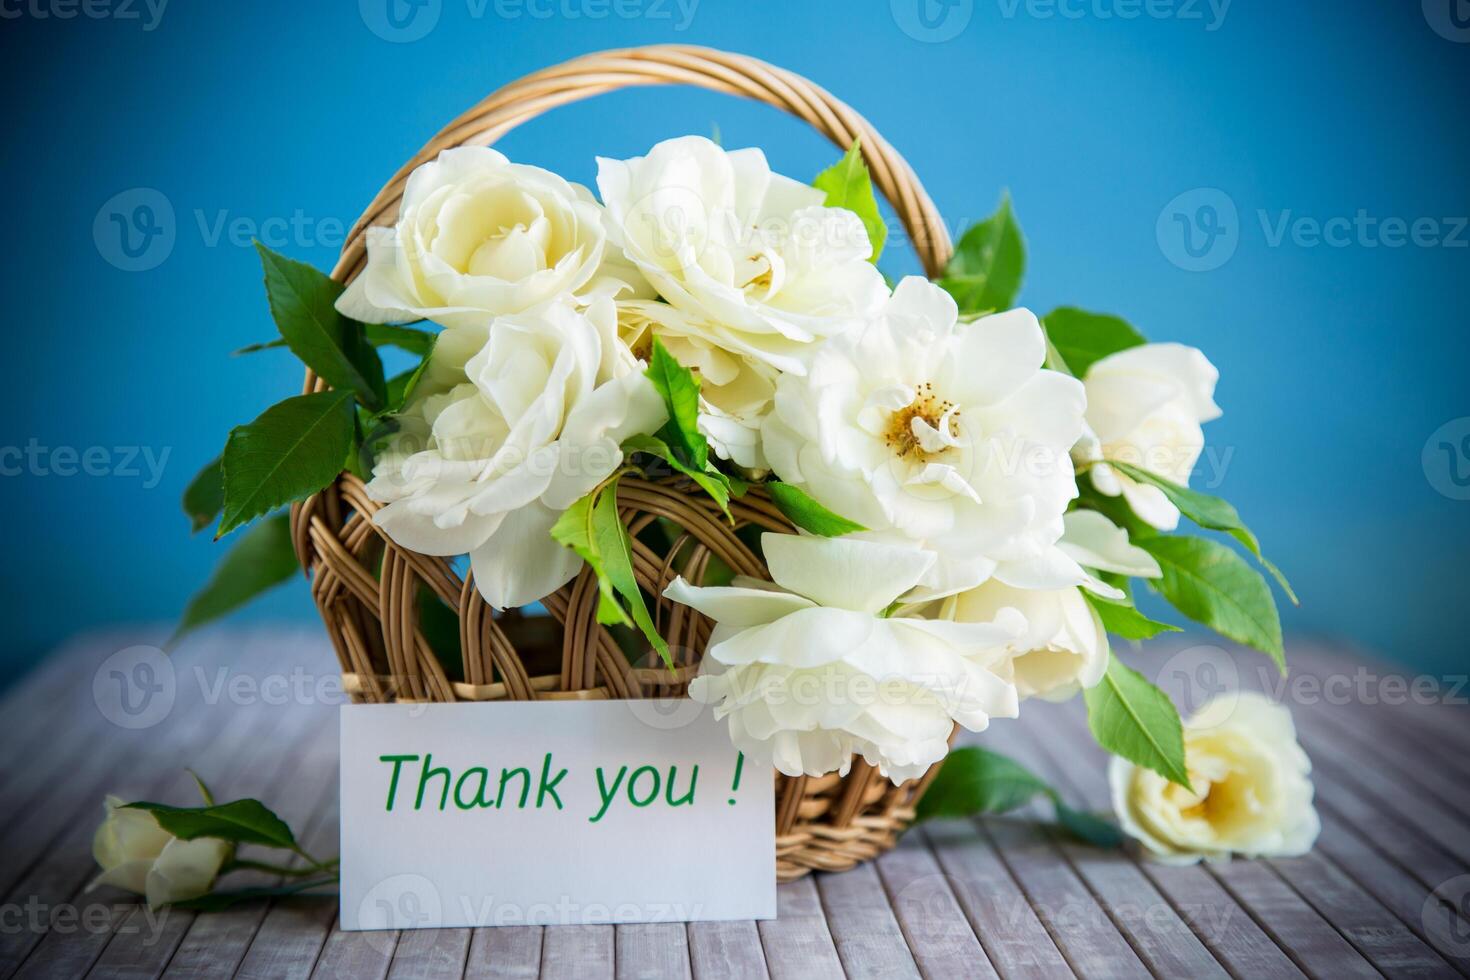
(1337, 362)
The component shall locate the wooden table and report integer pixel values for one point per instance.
(1002, 897)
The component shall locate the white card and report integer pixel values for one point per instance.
(550, 813)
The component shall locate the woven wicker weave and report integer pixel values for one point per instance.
(368, 589)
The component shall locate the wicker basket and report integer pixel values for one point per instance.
(368, 589)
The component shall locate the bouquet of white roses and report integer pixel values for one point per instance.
(973, 491)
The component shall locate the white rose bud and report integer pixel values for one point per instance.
(1144, 407)
(139, 856)
(1252, 790)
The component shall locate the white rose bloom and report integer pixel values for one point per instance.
(754, 258)
(1252, 788)
(139, 856)
(810, 673)
(945, 434)
(735, 392)
(478, 236)
(1144, 407)
(488, 465)
(1064, 648)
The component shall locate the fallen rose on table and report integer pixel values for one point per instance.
(175, 855)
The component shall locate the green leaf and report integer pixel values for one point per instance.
(1132, 718)
(611, 539)
(204, 792)
(974, 781)
(1086, 827)
(679, 389)
(711, 480)
(1123, 618)
(1209, 512)
(205, 496)
(848, 185)
(985, 272)
(302, 301)
(291, 451)
(410, 339)
(800, 509)
(262, 559)
(220, 901)
(1083, 338)
(258, 347)
(241, 821)
(574, 530)
(401, 386)
(1211, 584)
(592, 528)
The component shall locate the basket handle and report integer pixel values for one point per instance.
(669, 64)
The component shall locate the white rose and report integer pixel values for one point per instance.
(945, 434)
(1144, 407)
(1064, 648)
(810, 673)
(1252, 788)
(735, 392)
(478, 236)
(535, 422)
(139, 856)
(762, 267)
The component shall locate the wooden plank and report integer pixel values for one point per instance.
(868, 938)
(923, 900)
(797, 942)
(430, 954)
(1297, 928)
(505, 953)
(294, 930)
(652, 950)
(1002, 918)
(1078, 924)
(1372, 736)
(358, 955)
(1385, 791)
(577, 952)
(1437, 923)
(726, 949)
(1385, 941)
